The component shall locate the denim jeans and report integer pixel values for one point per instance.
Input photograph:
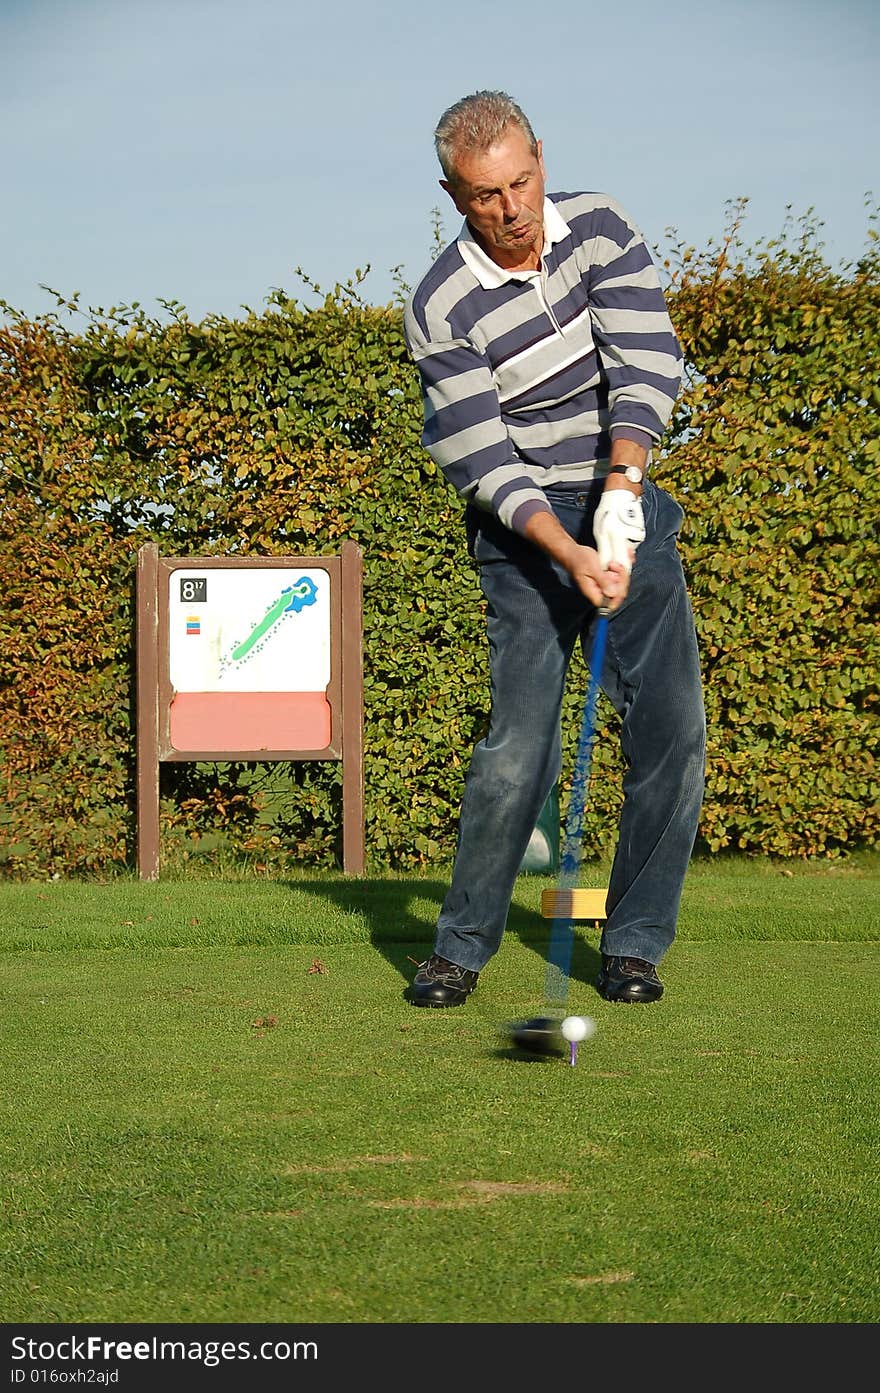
(534, 617)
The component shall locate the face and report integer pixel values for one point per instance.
(501, 193)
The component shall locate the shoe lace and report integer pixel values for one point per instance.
(436, 966)
(638, 967)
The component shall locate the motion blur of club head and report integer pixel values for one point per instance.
(202, 152)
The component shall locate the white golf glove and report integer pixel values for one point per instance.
(618, 525)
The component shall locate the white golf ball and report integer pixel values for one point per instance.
(576, 1028)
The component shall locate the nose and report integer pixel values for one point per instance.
(512, 206)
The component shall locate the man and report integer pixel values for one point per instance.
(549, 369)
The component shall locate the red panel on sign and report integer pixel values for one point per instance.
(249, 721)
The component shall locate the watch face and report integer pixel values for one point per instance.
(634, 474)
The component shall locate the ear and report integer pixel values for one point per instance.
(450, 189)
(540, 155)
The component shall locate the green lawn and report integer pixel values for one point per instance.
(220, 1108)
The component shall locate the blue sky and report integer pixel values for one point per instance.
(201, 150)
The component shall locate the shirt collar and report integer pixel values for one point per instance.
(488, 272)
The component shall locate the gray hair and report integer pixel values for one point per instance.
(477, 122)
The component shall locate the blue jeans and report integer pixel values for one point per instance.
(534, 617)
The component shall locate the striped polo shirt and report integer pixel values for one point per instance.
(527, 375)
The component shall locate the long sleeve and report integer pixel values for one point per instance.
(637, 344)
(464, 432)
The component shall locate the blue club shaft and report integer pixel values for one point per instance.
(562, 931)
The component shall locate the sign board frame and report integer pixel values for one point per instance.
(155, 694)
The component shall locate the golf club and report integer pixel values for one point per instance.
(562, 933)
(542, 1034)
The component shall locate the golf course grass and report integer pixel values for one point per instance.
(219, 1107)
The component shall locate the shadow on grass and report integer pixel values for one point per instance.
(400, 917)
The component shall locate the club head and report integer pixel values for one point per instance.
(537, 1035)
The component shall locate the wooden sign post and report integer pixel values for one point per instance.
(252, 659)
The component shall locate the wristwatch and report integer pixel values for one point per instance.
(632, 472)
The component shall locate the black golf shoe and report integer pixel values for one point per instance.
(628, 979)
(439, 982)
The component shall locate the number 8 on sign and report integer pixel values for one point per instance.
(194, 591)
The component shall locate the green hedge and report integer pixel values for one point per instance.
(291, 430)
